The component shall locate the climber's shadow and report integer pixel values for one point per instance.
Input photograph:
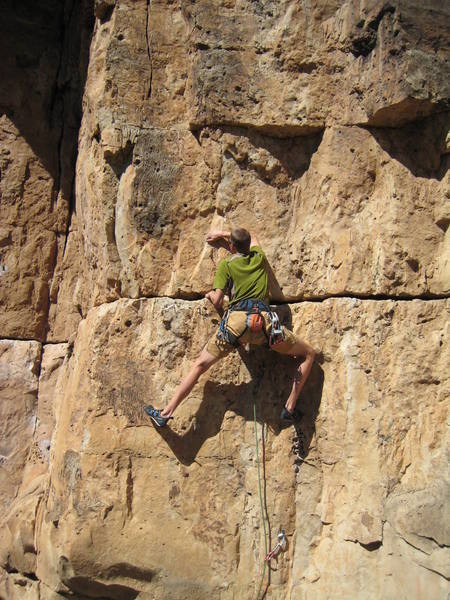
(309, 404)
(271, 380)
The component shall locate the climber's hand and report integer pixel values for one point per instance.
(215, 234)
(216, 298)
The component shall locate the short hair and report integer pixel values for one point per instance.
(241, 239)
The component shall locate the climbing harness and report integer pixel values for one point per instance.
(281, 545)
(254, 322)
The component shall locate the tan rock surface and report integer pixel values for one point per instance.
(289, 67)
(42, 70)
(374, 436)
(19, 372)
(18, 587)
(352, 235)
(28, 428)
(28, 237)
(148, 188)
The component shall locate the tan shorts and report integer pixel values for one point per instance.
(236, 324)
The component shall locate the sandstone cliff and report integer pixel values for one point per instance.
(129, 128)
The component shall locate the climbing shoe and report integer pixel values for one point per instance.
(292, 417)
(155, 416)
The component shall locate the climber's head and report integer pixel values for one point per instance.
(240, 238)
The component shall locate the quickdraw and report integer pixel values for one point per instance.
(281, 545)
(276, 330)
(254, 322)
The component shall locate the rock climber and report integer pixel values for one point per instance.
(249, 319)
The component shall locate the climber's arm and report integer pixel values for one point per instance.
(216, 298)
(254, 240)
(216, 234)
(218, 238)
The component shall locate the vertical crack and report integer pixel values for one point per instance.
(57, 120)
(149, 91)
(129, 487)
(76, 26)
(85, 25)
(57, 102)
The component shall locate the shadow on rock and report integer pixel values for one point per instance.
(46, 53)
(419, 146)
(309, 404)
(268, 389)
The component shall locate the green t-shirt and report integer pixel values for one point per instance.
(243, 276)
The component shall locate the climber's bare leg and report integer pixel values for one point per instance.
(201, 365)
(300, 348)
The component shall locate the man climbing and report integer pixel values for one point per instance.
(249, 319)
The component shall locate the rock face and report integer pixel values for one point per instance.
(44, 56)
(128, 129)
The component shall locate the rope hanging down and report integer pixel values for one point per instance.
(260, 501)
(282, 540)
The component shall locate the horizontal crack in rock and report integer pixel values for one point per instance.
(197, 298)
(434, 571)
